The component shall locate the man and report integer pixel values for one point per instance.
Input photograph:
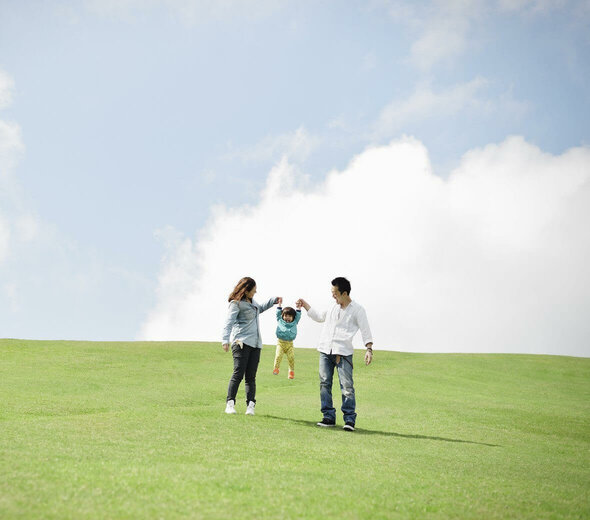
(341, 323)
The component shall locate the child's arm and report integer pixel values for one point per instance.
(297, 317)
(279, 312)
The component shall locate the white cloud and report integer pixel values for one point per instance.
(441, 27)
(444, 39)
(338, 123)
(11, 149)
(491, 260)
(6, 89)
(296, 146)
(445, 29)
(27, 227)
(425, 103)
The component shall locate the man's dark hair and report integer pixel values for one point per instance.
(289, 311)
(342, 284)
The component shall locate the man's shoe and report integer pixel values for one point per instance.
(230, 407)
(276, 371)
(291, 374)
(349, 427)
(327, 423)
(250, 409)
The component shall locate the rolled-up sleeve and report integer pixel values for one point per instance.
(319, 316)
(232, 314)
(363, 324)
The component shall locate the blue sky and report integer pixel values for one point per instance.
(127, 123)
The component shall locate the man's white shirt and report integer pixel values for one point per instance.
(340, 326)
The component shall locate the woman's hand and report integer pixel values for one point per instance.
(279, 300)
(226, 346)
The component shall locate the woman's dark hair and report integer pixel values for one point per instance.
(342, 284)
(245, 285)
(289, 311)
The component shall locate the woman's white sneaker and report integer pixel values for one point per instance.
(250, 409)
(230, 407)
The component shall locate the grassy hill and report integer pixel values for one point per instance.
(137, 430)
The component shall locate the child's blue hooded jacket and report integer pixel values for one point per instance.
(285, 330)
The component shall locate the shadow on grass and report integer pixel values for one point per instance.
(362, 431)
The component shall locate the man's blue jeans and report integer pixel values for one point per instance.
(344, 367)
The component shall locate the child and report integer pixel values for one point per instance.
(287, 319)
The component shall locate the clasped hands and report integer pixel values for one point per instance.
(298, 304)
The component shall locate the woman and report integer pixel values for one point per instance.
(243, 329)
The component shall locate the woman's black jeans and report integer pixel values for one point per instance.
(246, 361)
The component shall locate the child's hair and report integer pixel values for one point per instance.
(289, 311)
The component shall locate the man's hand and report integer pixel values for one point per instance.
(302, 303)
(225, 346)
(369, 354)
(279, 301)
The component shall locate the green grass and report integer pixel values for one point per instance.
(137, 430)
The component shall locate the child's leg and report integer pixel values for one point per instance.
(291, 357)
(278, 356)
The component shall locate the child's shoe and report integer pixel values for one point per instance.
(276, 371)
(250, 409)
(291, 374)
